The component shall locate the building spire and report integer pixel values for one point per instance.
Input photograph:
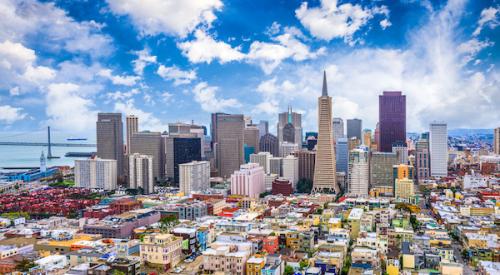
(325, 88)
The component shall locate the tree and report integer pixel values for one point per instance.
(303, 264)
(264, 194)
(304, 186)
(118, 272)
(166, 223)
(24, 265)
(288, 270)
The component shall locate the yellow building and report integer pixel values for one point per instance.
(255, 265)
(367, 138)
(161, 250)
(354, 221)
(403, 171)
(392, 267)
(49, 247)
(334, 223)
(404, 189)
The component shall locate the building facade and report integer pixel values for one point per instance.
(161, 250)
(438, 149)
(248, 181)
(287, 148)
(132, 123)
(358, 173)
(496, 141)
(228, 139)
(141, 172)
(338, 128)
(392, 119)
(342, 155)
(179, 150)
(109, 128)
(96, 173)
(292, 121)
(252, 137)
(381, 174)
(291, 169)
(269, 143)
(422, 159)
(150, 144)
(194, 176)
(354, 127)
(307, 160)
(262, 158)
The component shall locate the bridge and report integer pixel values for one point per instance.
(15, 143)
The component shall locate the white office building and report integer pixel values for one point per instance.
(275, 166)
(268, 181)
(287, 148)
(141, 172)
(194, 176)
(96, 173)
(248, 181)
(261, 158)
(358, 172)
(438, 149)
(291, 169)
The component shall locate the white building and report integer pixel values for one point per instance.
(358, 172)
(194, 176)
(286, 148)
(141, 172)
(262, 158)
(268, 181)
(96, 173)
(438, 149)
(248, 181)
(291, 169)
(275, 166)
(52, 263)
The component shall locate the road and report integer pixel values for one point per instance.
(190, 268)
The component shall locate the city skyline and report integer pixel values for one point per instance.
(258, 69)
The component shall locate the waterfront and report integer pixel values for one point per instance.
(30, 155)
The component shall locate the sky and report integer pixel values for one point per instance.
(62, 62)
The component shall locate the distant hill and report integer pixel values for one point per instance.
(469, 132)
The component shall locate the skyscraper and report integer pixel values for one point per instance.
(307, 160)
(248, 180)
(338, 128)
(496, 141)
(381, 176)
(422, 159)
(263, 127)
(377, 136)
(262, 158)
(251, 137)
(141, 172)
(290, 170)
(325, 177)
(392, 119)
(269, 143)
(194, 176)
(96, 173)
(132, 123)
(438, 148)
(295, 120)
(358, 172)
(354, 128)
(342, 155)
(228, 131)
(401, 149)
(150, 144)
(178, 150)
(109, 128)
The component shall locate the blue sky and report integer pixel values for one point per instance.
(165, 60)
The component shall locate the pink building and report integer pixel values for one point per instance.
(248, 181)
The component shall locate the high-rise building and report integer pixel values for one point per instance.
(263, 127)
(194, 177)
(377, 136)
(269, 143)
(109, 128)
(354, 127)
(496, 141)
(251, 137)
(293, 122)
(307, 160)
(275, 166)
(286, 148)
(150, 144)
(422, 160)
(262, 158)
(325, 176)
(290, 170)
(228, 136)
(248, 180)
(268, 181)
(342, 155)
(311, 142)
(402, 151)
(96, 173)
(404, 189)
(185, 129)
(438, 148)
(381, 173)
(392, 119)
(358, 173)
(132, 123)
(403, 171)
(338, 128)
(367, 138)
(140, 172)
(180, 149)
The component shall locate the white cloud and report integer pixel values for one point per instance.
(167, 97)
(489, 17)
(205, 49)
(67, 110)
(125, 80)
(148, 120)
(23, 20)
(471, 48)
(385, 23)
(171, 17)
(144, 58)
(177, 75)
(330, 20)
(9, 114)
(206, 96)
(122, 96)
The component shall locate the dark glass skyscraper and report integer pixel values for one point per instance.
(180, 150)
(392, 119)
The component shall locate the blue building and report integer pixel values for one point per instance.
(32, 175)
(201, 236)
(342, 155)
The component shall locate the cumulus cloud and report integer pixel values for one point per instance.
(207, 97)
(177, 75)
(172, 17)
(125, 80)
(204, 48)
(67, 110)
(385, 23)
(331, 20)
(430, 71)
(9, 114)
(143, 59)
(148, 120)
(489, 18)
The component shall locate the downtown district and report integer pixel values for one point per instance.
(245, 201)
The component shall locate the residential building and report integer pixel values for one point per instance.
(96, 173)
(248, 181)
(141, 172)
(122, 226)
(161, 250)
(358, 176)
(392, 119)
(228, 138)
(255, 265)
(109, 128)
(269, 143)
(438, 149)
(194, 177)
(325, 165)
(227, 257)
(150, 144)
(307, 160)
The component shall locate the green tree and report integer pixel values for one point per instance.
(304, 186)
(303, 264)
(118, 272)
(288, 270)
(24, 265)
(166, 223)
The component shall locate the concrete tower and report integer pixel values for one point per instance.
(132, 123)
(325, 178)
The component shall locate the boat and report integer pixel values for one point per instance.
(75, 139)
